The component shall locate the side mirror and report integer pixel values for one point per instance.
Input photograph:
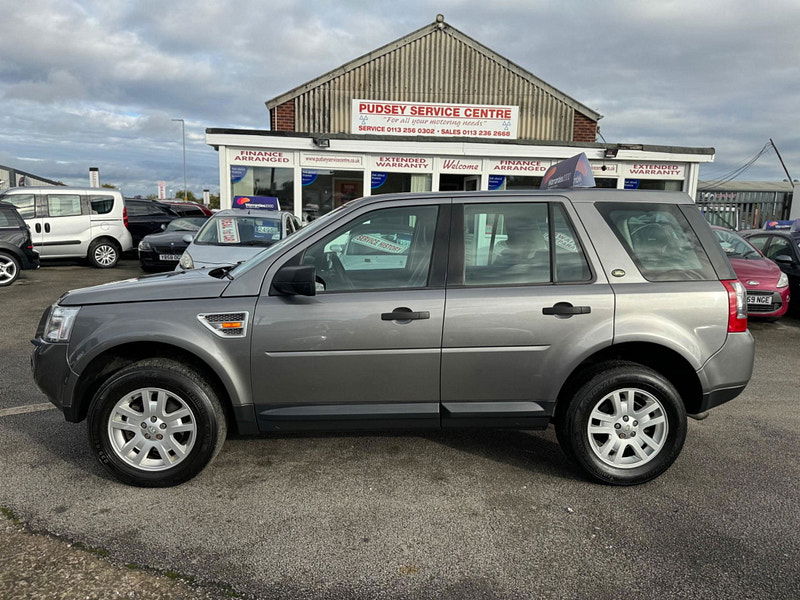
(784, 259)
(163, 226)
(295, 281)
(188, 238)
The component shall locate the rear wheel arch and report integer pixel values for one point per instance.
(118, 357)
(661, 359)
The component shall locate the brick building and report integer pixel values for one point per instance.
(434, 110)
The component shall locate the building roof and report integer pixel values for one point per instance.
(745, 186)
(437, 26)
(518, 142)
(26, 174)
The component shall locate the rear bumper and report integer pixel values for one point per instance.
(725, 375)
(30, 259)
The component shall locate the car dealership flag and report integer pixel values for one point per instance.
(570, 173)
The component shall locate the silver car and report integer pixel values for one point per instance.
(235, 235)
(610, 314)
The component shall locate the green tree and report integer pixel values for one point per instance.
(187, 195)
(213, 201)
(152, 196)
(108, 186)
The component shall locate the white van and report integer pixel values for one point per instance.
(69, 222)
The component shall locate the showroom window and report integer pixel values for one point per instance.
(324, 190)
(514, 182)
(394, 183)
(669, 185)
(273, 182)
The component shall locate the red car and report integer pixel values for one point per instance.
(188, 208)
(767, 286)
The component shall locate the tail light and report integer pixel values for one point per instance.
(737, 305)
(125, 216)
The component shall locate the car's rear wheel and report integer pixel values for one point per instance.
(9, 269)
(624, 425)
(103, 254)
(156, 423)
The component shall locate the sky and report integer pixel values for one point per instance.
(96, 83)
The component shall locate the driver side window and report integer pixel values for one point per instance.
(389, 248)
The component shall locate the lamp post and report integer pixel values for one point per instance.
(183, 133)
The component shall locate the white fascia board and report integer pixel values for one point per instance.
(382, 146)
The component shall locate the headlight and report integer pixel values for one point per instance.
(59, 323)
(783, 280)
(144, 245)
(186, 261)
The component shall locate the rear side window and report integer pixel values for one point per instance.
(510, 244)
(660, 241)
(64, 205)
(101, 205)
(25, 204)
(8, 218)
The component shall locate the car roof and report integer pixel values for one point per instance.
(252, 212)
(576, 195)
(60, 189)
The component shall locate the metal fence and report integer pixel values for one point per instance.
(743, 210)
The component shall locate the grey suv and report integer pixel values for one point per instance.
(611, 314)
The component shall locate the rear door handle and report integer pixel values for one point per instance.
(565, 309)
(47, 227)
(405, 314)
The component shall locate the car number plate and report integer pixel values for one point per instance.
(169, 257)
(759, 299)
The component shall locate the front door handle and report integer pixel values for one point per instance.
(405, 314)
(565, 309)
(38, 228)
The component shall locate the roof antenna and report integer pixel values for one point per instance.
(440, 21)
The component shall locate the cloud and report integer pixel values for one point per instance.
(96, 83)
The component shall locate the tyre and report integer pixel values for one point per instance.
(624, 425)
(9, 269)
(156, 423)
(103, 254)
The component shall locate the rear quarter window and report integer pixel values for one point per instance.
(660, 241)
(9, 219)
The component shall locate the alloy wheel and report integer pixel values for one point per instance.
(105, 255)
(627, 428)
(8, 270)
(152, 429)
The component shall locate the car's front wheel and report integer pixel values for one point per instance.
(156, 423)
(624, 425)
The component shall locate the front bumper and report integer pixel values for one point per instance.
(776, 308)
(149, 259)
(53, 376)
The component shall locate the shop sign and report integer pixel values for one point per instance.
(631, 184)
(654, 170)
(496, 181)
(266, 158)
(238, 172)
(332, 161)
(402, 163)
(378, 179)
(308, 176)
(604, 169)
(517, 167)
(459, 165)
(387, 117)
